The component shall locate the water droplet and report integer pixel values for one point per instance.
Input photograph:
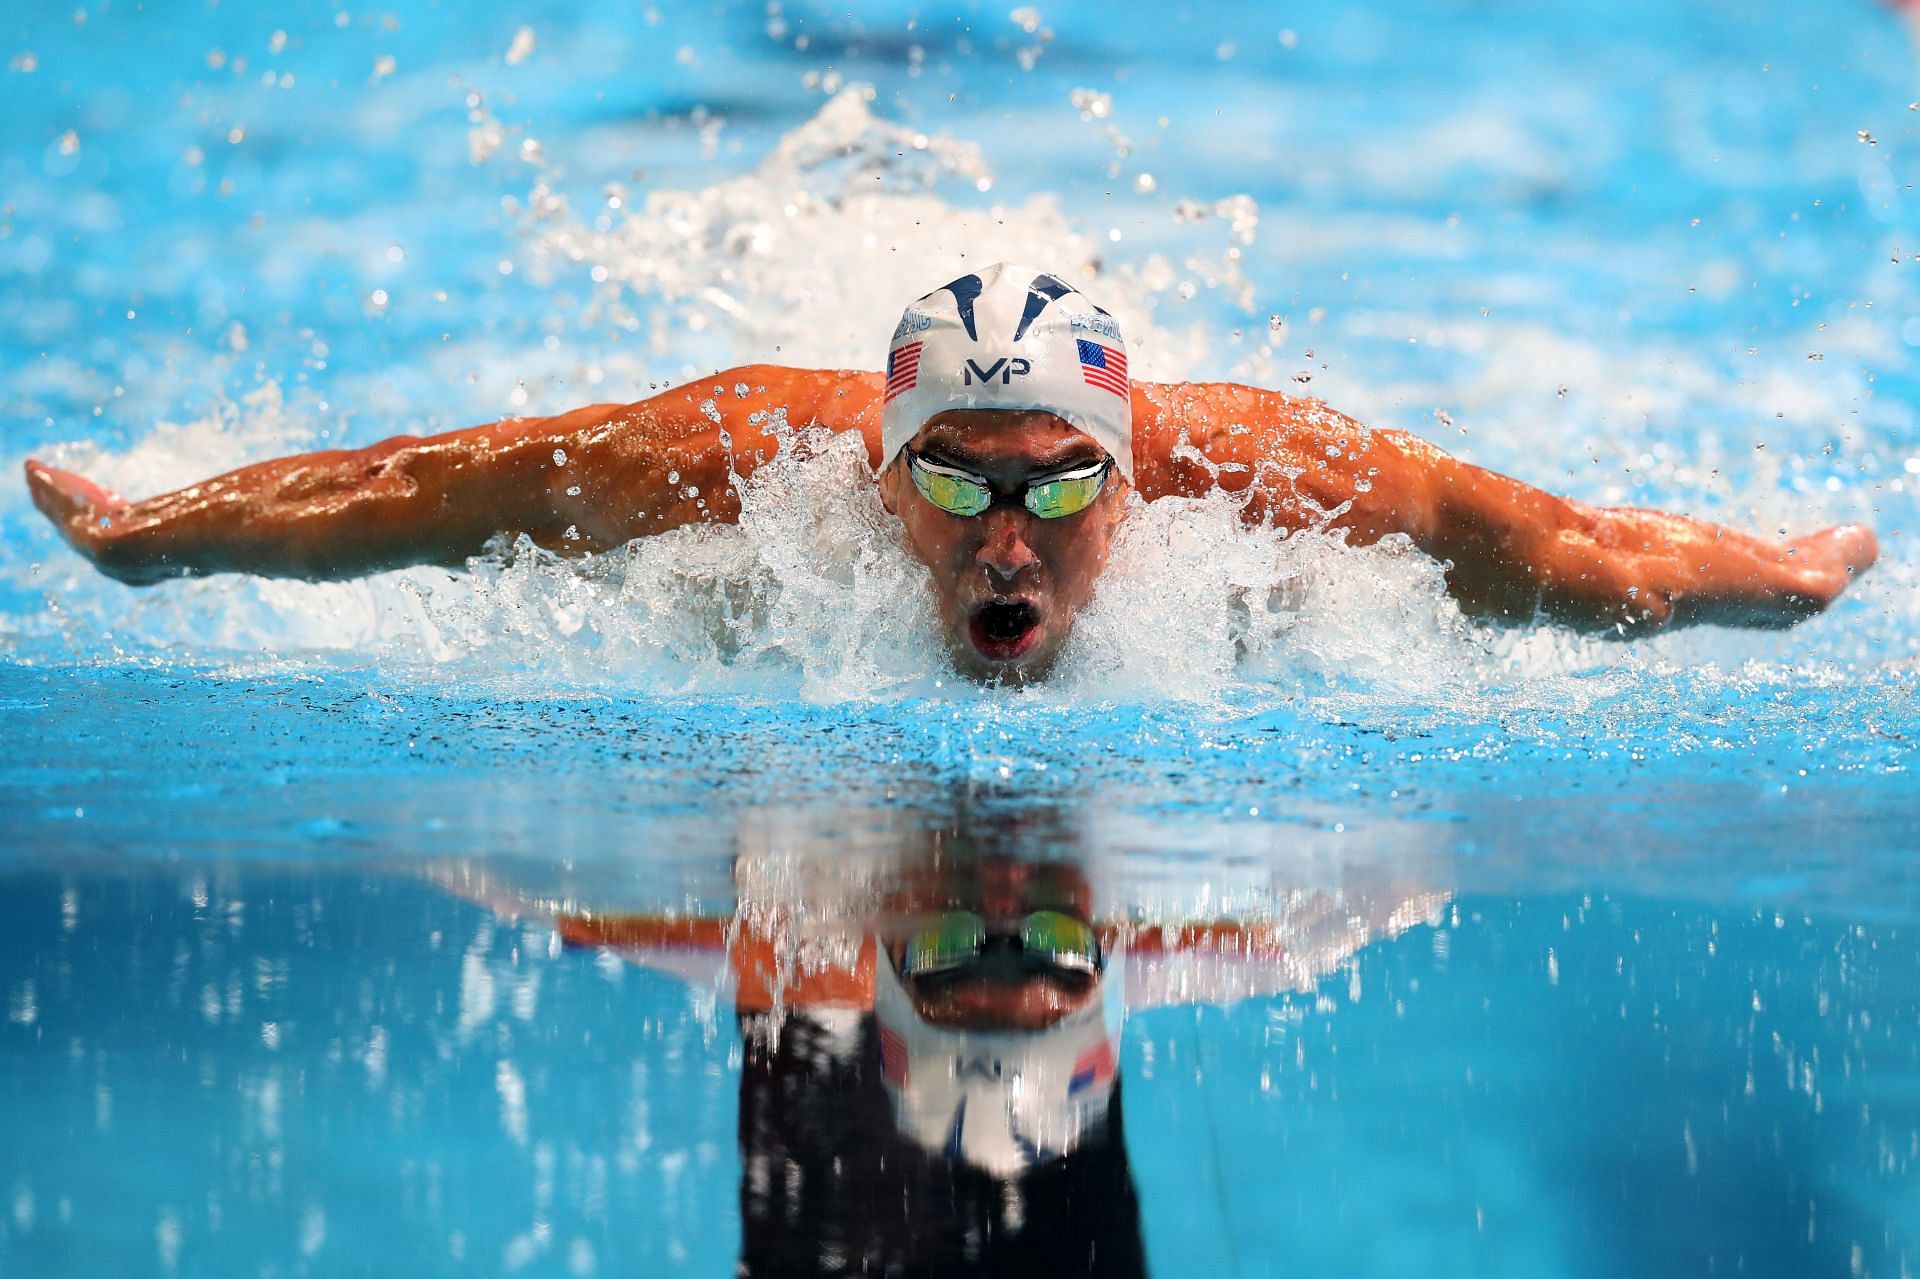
(1092, 104)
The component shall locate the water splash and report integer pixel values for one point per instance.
(800, 260)
(813, 594)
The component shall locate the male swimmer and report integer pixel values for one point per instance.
(1008, 439)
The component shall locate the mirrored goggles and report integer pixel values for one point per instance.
(957, 939)
(1050, 497)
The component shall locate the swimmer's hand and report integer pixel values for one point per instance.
(1782, 583)
(84, 512)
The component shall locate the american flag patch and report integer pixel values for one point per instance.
(893, 1057)
(1103, 367)
(903, 368)
(1091, 1067)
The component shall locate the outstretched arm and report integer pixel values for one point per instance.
(1513, 551)
(583, 481)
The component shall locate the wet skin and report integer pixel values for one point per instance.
(1512, 551)
(1007, 582)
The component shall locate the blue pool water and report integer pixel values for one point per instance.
(1596, 958)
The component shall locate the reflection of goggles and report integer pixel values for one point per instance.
(1050, 497)
(958, 938)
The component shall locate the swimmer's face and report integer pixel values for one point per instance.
(998, 993)
(1007, 582)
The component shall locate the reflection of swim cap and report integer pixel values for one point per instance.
(1011, 337)
(1001, 1101)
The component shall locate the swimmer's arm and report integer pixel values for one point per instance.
(580, 482)
(763, 978)
(1520, 553)
(1513, 551)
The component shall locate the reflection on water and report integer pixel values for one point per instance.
(932, 1018)
(962, 1040)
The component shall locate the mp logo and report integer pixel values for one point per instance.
(1003, 368)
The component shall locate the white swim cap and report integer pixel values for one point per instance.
(1011, 337)
(1002, 1101)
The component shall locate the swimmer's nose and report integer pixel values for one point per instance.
(1005, 554)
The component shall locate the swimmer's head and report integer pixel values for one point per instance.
(999, 1013)
(1008, 434)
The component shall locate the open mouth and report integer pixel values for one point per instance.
(1002, 630)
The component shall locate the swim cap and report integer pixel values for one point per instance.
(1010, 337)
(1002, 1101)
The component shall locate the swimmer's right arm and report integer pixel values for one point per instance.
(583, 481)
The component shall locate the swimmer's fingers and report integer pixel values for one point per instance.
(84, 513)
(1842, 552)
(1817, 568)
(73, 502)
(1784, 584)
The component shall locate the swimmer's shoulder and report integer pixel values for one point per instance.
(750, 396)
(837, 399)
(1205, 409)
(1184, 432)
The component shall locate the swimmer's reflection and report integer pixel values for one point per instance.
(940, 1097)
(932, 1031)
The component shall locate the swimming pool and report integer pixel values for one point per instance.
(1598, 958)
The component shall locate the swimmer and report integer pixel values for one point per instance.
(1010, 442)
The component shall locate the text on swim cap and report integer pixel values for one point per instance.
(1100, 324)
(912, 322)
(1004, 368)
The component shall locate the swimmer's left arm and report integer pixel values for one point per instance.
(1518, 552)
(1513, 551)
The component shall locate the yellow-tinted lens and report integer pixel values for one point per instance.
(954, 494)
(1068, 495)
(1061, 939)
(946, 941)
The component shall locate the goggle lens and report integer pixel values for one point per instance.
(958, 938)
(949, 941)
(954, 494)
(958, 493)
(1068, 495)
(1062, 940)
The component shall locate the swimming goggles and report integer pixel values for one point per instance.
(957, 939)
(1050, 497)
